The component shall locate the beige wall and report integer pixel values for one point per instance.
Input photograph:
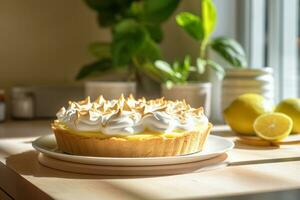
(44, 41)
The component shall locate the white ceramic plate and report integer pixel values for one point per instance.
(214, 146)
(246, 90)
(246, 83)
(248, 72)
(154, 170)
(266, 77)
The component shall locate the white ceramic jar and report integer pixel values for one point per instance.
(240, 81)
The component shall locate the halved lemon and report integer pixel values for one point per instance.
(273, 126)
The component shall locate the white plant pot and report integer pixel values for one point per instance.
(195, 94)
(109, 89)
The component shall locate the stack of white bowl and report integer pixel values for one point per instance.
(241, 81)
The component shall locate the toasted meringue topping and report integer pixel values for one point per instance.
(127, 116)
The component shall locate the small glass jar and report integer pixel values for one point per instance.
(2, 106)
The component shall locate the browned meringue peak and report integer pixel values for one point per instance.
(94, 106)
(86, 101)
(177, 108)
(198, 111)
(131, 102)
(126, 106)
(121, 100)
(62, 110)
(100, 100)
(116, 106)
(71, 104)
(130, 97)
(82, 113)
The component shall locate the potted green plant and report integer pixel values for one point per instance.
(135, 27)
(184, 80)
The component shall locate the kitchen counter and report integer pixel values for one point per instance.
(250, 170)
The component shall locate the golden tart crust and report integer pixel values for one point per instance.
(155, 146)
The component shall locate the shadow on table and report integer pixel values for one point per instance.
(223, 133)
(27, 163)
(240, 145)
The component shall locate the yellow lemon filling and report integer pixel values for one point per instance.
(146, 134)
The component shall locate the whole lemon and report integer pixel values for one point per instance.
(242, 112)
(291, 107)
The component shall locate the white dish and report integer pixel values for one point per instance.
(246, 82)
(248, 72)
(228, 93)
(209, 164)
(246, 90)
(266, 87)
(214, 146)
(266, 77)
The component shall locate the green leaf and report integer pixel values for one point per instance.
(217, 68)
(178, 72)
(100, 49)
(154, 73)
(209, 17)
(176, 66)
(167, 72)
(128, 38)
(136, 8)
(157, 11)
(127, 28)
(155, 32)
(201, 65)
(149, 51)
(106, 19)
(100, 66)
(169, 84)
(113, 6)
(164, 67)
(186, 63)
(230, 50)
(191, 24)
(111, 11)
(185, 69)
(97, 4)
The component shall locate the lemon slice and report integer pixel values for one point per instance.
(273, 126)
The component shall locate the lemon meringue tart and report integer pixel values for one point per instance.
(128, 127)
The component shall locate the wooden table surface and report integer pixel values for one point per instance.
(250, 171)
